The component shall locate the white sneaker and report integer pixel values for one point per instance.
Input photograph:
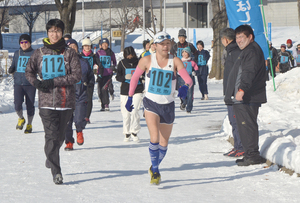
(127, 138)
(205, 97)
(135, 138)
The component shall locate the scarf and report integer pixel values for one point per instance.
(187, 59)
(59, 46)
(86, 53)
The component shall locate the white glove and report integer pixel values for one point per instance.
(128, 76)
(194, 73)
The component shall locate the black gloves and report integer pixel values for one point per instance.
(44, 85)
(48, 84)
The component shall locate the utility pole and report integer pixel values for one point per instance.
(110, 42)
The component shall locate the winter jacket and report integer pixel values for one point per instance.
(175, 47)
(63, 93)
(18, 66)
(96, 61)
(127, 66)
(201, 58)
(274, 58)
(285, 59)
(248, 74)
(233, 51)
(86, 79)
(193, 66)
(109, 66)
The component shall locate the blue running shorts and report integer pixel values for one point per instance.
(166, 112)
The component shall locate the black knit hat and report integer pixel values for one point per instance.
(182, 33)
(72, 41)
(25, 37)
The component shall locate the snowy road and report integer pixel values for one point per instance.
(105, 169)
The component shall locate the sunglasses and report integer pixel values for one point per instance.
(25, 42)
(164, 37)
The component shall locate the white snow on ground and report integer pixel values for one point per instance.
(105, 169)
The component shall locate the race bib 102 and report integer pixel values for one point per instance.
(160, 81)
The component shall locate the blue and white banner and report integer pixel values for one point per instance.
(242, 12)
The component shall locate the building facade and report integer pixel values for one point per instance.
(179, 13)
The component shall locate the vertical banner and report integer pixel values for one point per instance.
(242, 12)
(270, 31)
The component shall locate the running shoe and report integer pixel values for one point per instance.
(155, 179)
(69, 146)
(28, 129)
(21, 123)
(127, 138)
(80, 139)
(58, 179)
(230, 152)
(135, 138)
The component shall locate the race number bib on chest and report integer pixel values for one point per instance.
(160, 81)
(188, 67)
(179, 52)
(53, 66)
(105, 60)
(201, 61)
(90, 60)
(130, 71)
(22, 63)
(284, 59)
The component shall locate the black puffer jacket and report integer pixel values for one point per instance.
(233, 51)
(249, 74)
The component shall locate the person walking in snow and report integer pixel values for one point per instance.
(232, 53)
(274, 59)
(246, 91)
(285, 59)
(292, 49)
(125, 70)
(96, 66)
(108, 60)
(22, 88)
(160, 81)
(80, 112)
(201, 57)
(191, 67)
(58, 69)
(182, 43)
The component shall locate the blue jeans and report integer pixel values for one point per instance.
(190, 95)
(235, 132)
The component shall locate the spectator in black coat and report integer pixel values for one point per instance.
(246, 90)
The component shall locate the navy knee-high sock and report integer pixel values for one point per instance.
(162, 153)
(154, 155)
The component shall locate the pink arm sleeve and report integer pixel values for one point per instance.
(194, 65)
(134, 80)
(186, 77)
